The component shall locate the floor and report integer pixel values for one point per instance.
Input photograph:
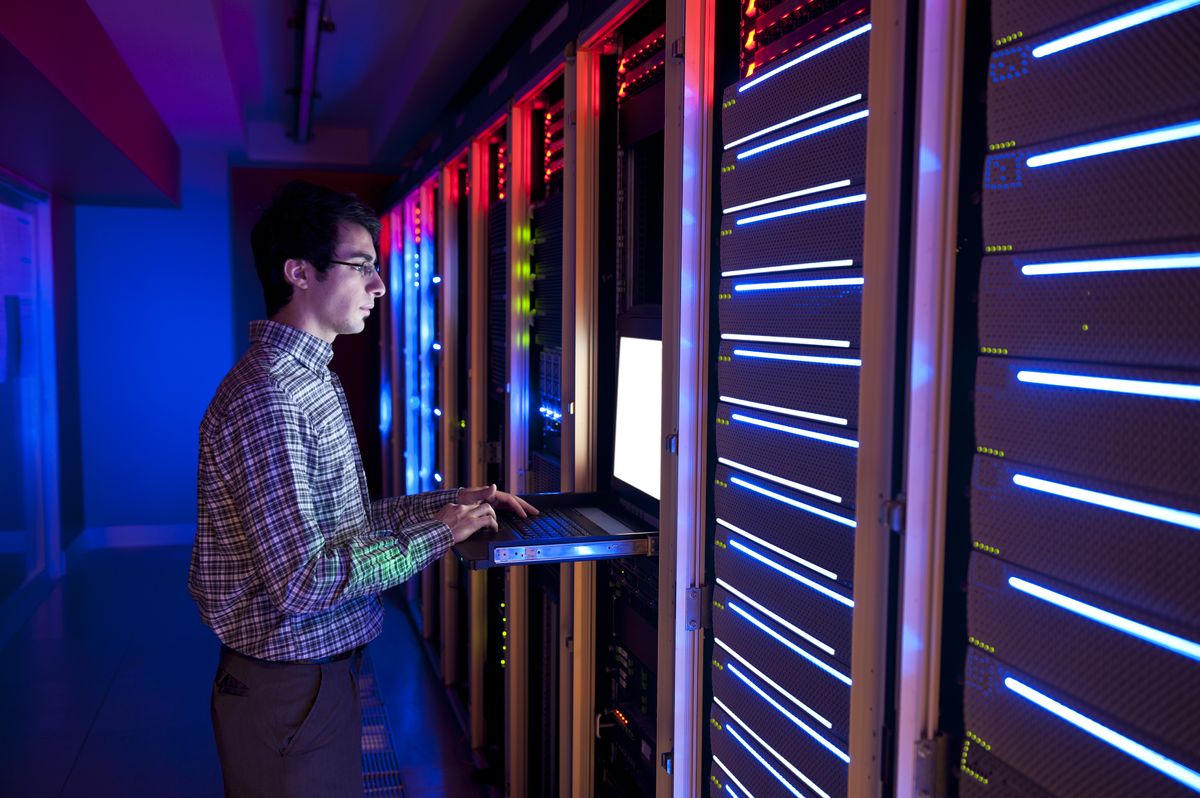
(107, 689)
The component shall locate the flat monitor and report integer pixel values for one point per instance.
(638, 445)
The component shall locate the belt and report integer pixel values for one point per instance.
(345, 655)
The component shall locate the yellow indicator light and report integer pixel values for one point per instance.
(1085, 328)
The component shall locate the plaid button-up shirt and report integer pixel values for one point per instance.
(291, 553)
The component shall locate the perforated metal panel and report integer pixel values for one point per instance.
(790, 318)
(1083, 669)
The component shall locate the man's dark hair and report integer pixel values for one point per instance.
(302, 223)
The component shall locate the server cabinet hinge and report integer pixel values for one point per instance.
(932, 767)
(671, 443)
(698, 611)
(677, 48)
(892, 514)
(667, 760)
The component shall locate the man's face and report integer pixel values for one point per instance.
(343, 300)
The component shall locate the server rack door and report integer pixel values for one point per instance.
(804, 427)
(1081, 673)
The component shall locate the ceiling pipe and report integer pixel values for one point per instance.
(314, 23)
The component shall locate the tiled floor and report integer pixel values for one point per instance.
(106, 691)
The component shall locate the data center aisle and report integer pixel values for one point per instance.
(106, 691)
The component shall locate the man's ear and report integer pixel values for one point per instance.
(297, 272)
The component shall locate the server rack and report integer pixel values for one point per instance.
(804, 432)
(1082, 604)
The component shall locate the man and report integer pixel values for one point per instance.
(290, 553)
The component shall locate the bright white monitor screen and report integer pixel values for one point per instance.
(638, 449)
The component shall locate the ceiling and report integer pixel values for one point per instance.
(219, 71)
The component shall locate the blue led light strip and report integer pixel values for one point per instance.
(779, 619)
(1153, 511)
(803, 433)
(790, 195)
(808, 508)
(845, 37)
(816, 206)
(1161, 135)
(1147, 263)
(746, 663)
(841, 677)
(823, 283)
(785, 411)
(1115, 25)
(803, 134)
(780, 551)
(729, 774)
(1168, 767)
(1159, 390)
(782, 759)
(853, 98)
(1158, 637)
(833, 497)
(733, 733)
(809, 730)
(790, 267)
(828, 361)
(788, 572)
(779, 339)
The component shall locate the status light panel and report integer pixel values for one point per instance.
(413, 302)
(1083, 668)
(791, 204)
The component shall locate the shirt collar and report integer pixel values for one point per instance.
(310, 350)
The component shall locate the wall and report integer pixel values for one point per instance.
(154, 321)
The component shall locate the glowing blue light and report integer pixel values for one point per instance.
(437, 411)
(829, 281)
(790, 195)
(809, 730)
(1168, 767)
(790, 267)
(1115, 25)
(1188, 261)
(782, 759)
(1158, 637)
(795, 648)
(1148, 138)
(1160, 390)
(780, 480)
(1146, 510)
(808, 508)
(828, 361)
(436, 279)
(733, 733)
(777, 618)
(824, 591)
(780, 551)
(749, 666)
(845, 37)
(779, 339)
(816, 206)
(437, 347)
(787, 411)
(729, 774)
(385, 409)
(803, 134)
(804, 433)
(785, 123)
(437, 477)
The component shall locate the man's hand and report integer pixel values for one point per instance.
(465, 520)
(497, 499)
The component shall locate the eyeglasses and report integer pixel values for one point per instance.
(366, 269)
